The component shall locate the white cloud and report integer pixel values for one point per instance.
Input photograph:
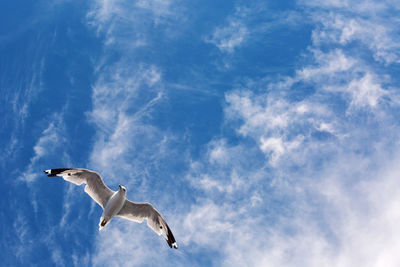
(126, 92)
(28, 240)
(329, 64)
(50, 140)
(370, 23)
(233, 34)
(338, 225)
(251, 23)
(220, 171)
(342, 215)
(219, 152)
(208, 224)
(366, 91)
(160, 9)
(228, 38)
(326, 194)
(123, 243)
(123, 98)
(21, 229)
(278, 147)
(280, 127)
(56, 256)
(335, 72)
(128, 148)
(126, 24)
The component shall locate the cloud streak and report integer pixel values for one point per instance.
(122, 103)
(50, 140)
(128, 147)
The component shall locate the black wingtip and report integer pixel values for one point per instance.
(171, 239)
(54, 172)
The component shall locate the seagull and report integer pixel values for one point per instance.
(115, 203)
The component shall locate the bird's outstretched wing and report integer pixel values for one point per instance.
(137, 212)
(95, 187)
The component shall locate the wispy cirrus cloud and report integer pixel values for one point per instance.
(21, 230)
(127, 91)
(249, 23)
(121, 21)
(122, 102)
(51, 139)
(128, 146)
(366, 22)
(229, 37)
(337, 72)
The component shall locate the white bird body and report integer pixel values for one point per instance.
(113, 206)
(115, 203)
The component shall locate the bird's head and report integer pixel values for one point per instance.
(122, 188)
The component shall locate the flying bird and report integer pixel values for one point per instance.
(115, 203)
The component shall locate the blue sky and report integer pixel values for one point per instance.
(265, 132)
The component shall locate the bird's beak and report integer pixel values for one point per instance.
(119, 186)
